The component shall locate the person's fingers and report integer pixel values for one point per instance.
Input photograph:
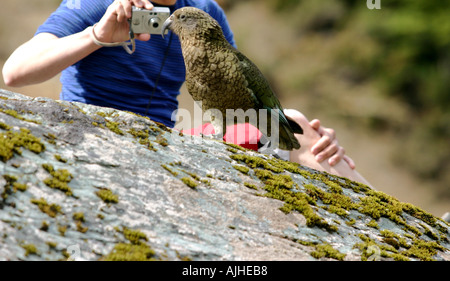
(126, 4)
(143, 37)
(321, 144)
(123, 10)
(331, 133)
(144, 3)
(119, 11)
(338, 156)
(327, 137)
(329, 151)
(350, 162)
(315, 124)
(138, 3)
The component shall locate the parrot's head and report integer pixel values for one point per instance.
(193, 23)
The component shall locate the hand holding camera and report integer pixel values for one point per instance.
(128, 20)
(144, 18)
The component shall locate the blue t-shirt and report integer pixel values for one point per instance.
(111, 77)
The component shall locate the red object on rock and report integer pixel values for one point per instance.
(245, 135)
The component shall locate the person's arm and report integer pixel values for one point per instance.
(46, 55)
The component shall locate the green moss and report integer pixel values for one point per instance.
(256, 162)
(62, 229)
(11, 142)
(189, 182)
(4, 126)
(50, 209)
(251, 186)
(161, 140)
(50, 138)
(398, 257)
(423, 250)
(400, 241)
(134, 236)
(51, 245)
(206, 182)
(11, 186)
(19, 186)
(114, 127)
(369, 202)
(44, 226)
(305, 243)
(391, 241)
(30, 249)
(163, 127)
(377, 204)
(398, 248)
(279, 187)
(241, 169)
(326, 250)
(80, 227)
(368, 248)
(60, 159)
(428, 232)
(130, 252)
(78, 216)
(139, 134)
(419, 213)
(338, 203)
(373, 224)
(107, 196)
(193, 175)
(235, 146)
(16, 115)
(59, 180)
(143, 137)
(174, 173)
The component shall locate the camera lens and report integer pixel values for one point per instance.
(154, 22)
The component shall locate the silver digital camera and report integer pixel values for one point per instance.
(148, 21)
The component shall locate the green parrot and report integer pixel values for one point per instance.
(229, 86)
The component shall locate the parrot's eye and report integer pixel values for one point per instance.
(182, 17)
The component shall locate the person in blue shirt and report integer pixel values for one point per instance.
(147, 82)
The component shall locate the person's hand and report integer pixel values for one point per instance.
(327, 146)
(114, 27)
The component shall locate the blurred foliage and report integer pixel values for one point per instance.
(404, 49)
(413, 61)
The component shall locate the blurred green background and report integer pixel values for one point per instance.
(380, 78)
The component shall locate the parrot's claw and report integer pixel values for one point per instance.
(212, 136)
(217, 136)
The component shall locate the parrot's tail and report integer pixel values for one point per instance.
(286, 129)
(287, 139)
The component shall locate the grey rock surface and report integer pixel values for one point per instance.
(81, 182)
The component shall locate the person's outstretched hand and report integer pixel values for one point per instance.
(328, 147)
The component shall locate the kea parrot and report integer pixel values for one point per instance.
(228, 85)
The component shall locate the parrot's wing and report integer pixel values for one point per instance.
(258, 83)
(262, 92)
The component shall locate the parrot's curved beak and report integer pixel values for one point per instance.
(166, 25)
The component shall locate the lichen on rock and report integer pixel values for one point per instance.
(118, 186)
